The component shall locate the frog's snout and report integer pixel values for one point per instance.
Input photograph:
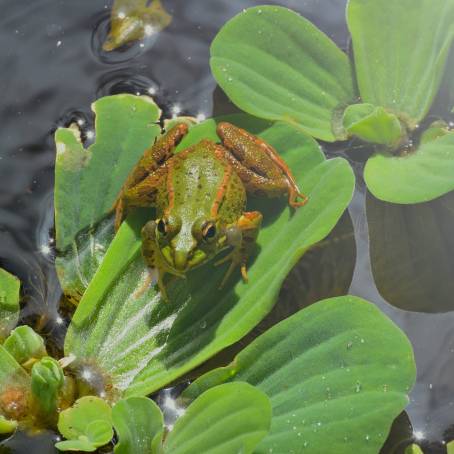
(180, 260)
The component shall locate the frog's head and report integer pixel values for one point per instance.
(181, 245)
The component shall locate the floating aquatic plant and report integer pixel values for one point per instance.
(133, 20)
(275, 64)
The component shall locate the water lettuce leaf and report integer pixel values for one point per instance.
(143, 343)
(337, 374)
(132, 20)
(87, 425)
(419, 176)
(275, 64)
(372, 124)
(87, 181)
(139, 425)
(9, 302)
(228, 418)
(400, 50)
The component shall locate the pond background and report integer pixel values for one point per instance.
(53, 68)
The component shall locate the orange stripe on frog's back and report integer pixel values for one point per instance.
(219, 152)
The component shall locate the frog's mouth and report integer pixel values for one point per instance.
(179, 262)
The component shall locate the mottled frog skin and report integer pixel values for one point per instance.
(200, 198)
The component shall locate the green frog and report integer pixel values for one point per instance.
(200, 198)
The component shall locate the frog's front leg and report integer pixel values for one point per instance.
(151, 255)
(242, 236)
(139, 189)
(258, 165)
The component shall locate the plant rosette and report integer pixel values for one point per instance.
(275, 64)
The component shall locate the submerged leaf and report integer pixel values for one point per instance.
(420, 176)
(400, 50)
(87, 425)
(275, 64)
(337, 374)
(143, 343)
(405, 242)
(373, 124)
(9, 302)
(132, 20)
(229, 418)
(139, 424)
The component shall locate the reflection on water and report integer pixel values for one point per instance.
(53, 67)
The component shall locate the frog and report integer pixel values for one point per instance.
(199, 195)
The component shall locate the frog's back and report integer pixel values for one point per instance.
(203, 184)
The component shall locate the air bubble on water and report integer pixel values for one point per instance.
(299, 434)
(367, 438)
(229, 79)
(201, 117)
(59, 43)
(323, 377)
(294, 427)
(176, 109)
(45, 249)
(362, 340)
(305, 444)
(149, 30)
(259, 11)
(203, 324)
(349, 345)
(430, 386)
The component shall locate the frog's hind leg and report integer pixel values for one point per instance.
(258, 165)
(134, 191)
(242, 236)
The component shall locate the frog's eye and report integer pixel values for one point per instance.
(209, 231)
(161, 226)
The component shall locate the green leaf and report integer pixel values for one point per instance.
(419, 176)
(87, 424)
(79, 263)
(450, 447)
(24, 344)
(6, 425)
(87, 181)
(405, 242)
(337, 374)
(414, 449)
(372, 124)
(275, 64)
(9, 302)
(139, 423)
(400, 49)
(228, 418)
(141, 342)
(132, 20)
(14, 388)
(47, 380)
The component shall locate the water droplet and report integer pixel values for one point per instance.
(362, 341)
(229, 79)
(203, 324)
(305, 444)
(349, 345)
(367, 438)
(358, 387)
(259, 11)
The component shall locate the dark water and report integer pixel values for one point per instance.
(52, 69)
